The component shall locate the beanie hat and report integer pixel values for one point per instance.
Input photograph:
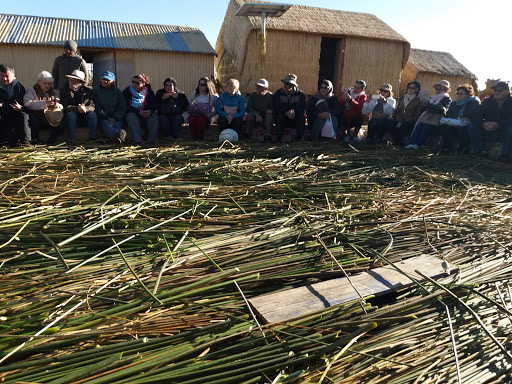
(71, 44)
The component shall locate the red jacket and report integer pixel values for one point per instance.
(357, 107)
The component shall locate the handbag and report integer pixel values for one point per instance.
(328, 129)
(199, 109)
(431, 118)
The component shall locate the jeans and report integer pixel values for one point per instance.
(422, 132)
(298, 123)
(170, 125)
(318, 124)
(15, 128)
(378, 127)
(110, 130)
(452, 135)
(133, 121)
(479, 138)
(72, 119)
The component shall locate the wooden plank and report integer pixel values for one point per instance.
(282, 306)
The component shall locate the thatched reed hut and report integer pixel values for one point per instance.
(428, 67)
(313, 43)
(31, 43)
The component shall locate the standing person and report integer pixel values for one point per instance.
(201, 108)
(141, 108)
(380, 108)
(460, 112)
(434, 109)
(259, 110)
(110, 107)
(406, 113)
(40, 100)
(14, 127)
(172, 103)
(351, 116)
(78, 104)
(231, 108)
(320, 106)
(66, 63)
(493, 121)
(289, 107)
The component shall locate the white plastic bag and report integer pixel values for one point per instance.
(328, 129)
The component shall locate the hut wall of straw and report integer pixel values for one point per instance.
(23, 58)
(428, 67)
(377, 62)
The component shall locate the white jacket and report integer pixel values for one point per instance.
(388, 108)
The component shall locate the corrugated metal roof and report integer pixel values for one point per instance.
(34, 30)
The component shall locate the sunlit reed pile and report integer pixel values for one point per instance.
(136, 265)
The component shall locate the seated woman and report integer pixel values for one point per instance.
(40, 98)
(231, 107)
(406, 113)
(381, 107)
(201, 107)
(141, 109)
(461, 110)
(351, 116)
(434, 109)
(172, 103)
(317, 115)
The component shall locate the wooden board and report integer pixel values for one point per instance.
(282, 306)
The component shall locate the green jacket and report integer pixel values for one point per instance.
(109, 103)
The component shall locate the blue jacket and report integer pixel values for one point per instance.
(225, 99)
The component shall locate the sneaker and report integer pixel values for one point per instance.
(410, 146)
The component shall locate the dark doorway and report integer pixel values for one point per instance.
(327, 62)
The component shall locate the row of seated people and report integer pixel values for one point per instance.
(416, 114)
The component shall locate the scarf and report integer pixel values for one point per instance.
(436, 99)
(138, 100)
(329, 93)
(408, 98)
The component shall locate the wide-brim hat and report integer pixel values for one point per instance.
(78, 75)
(290, 78)
(54, 116)
(262, 83)
(443, 83)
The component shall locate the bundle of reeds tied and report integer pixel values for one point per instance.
(136, 265)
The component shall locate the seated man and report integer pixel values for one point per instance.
(259, 110)
(78, 104)
(110, 107)
(15, 128)
(493, 121)
(289, 104)
(40, 100)
(141, 108)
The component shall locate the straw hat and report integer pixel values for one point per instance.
(77, 74)
(443, 83)
(54, 116)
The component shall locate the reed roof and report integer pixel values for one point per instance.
(438, 62)
(325, 21)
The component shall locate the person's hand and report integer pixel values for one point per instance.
(51, 104)
(81, 108)
(290, 114)
(145, 113)
(229, 118)
(259, 119)
(173, 94)
(323, 115)
(111, 120)
(345, 97)
(165, 96)
(269, 112)
(490, 126)
(16, 106)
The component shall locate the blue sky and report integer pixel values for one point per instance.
(476, 32)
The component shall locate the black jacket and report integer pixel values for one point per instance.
(171, 106)
(332, 104)
(283, 102)
(6, 101)
(491, 111)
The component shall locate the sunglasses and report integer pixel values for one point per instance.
(324, 87)
(288, 84)
(136, 82)
(412, 88)
(203, 84)
(384, 90)
(498, 90)
(460, 93)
